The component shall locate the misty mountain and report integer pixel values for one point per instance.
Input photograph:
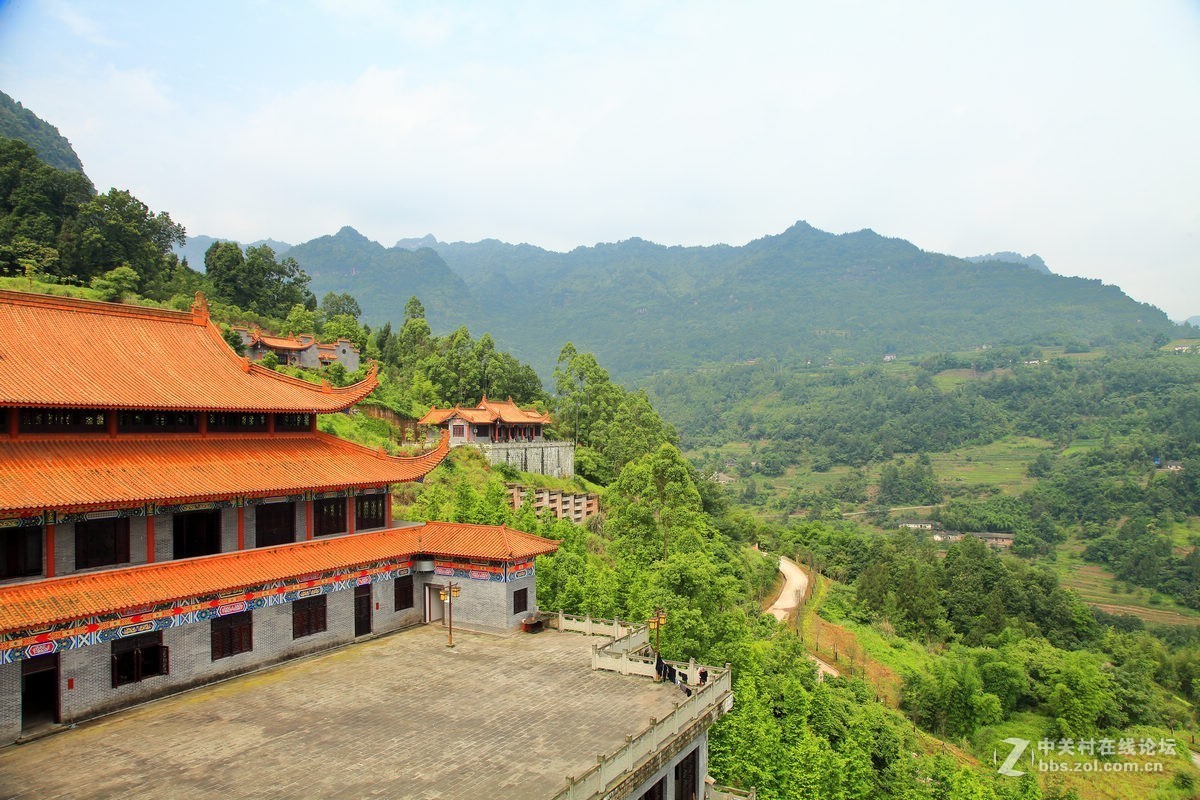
(802, 294)
(18, 122)
(1032, 261)
(1194, 321)
(197, 246)
(382, 279)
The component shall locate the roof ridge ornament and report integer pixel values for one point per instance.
(200, 310)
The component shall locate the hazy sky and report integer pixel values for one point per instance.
(1067, 129)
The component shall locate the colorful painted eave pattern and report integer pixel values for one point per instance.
(41, 604)
(59, 352)
(76, 473)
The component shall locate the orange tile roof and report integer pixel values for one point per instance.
(281, 342)
(76, 472)
(508, 411)
(487, 412)
(498, 543)
(29, 606)
(65, 353)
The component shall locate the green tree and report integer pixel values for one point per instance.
(116, 283)
(115, 229)
(255, 280)
(333, 304)
(300, 320)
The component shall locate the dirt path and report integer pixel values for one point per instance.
(795, 585)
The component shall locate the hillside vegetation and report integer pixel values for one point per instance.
(18, 122)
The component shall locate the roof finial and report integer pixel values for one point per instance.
(200, 310)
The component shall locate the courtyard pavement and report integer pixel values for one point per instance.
(400, 716)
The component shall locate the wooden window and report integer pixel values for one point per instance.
(329, 516)
(404, 593)
(369, 511)
(308, 616)
(158, 422)
(458, 431)
(232, 635)
(61, 420)
(136, 658)
(274, 523)
(20, 552)
(197, 533)
(292, 422)
(520, 601)
(101, 542)
(236, 422)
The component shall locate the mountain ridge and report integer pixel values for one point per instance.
(800, 294)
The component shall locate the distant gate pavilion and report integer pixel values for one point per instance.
(506, 433)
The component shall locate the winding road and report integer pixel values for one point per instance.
(795, 584)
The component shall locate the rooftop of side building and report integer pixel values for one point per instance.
(402, 715)
(113, 356)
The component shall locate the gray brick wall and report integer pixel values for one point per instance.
(10, 701)
(248, 520)
(484, 605)
(301, 519)
(137, 540)
(228, 530)
(64, 548)
(164, 536)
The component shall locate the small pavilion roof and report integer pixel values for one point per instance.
(487, 412)
(72, 472)
(58, 352)
(29, 606)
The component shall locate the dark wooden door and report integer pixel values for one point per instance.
(687, 773)
(39, 691)
(362, 610)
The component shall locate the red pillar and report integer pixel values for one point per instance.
(270, 423)
(110, 417)
(387, 511)
(203, 429)
(49, 551)
(14, 415)
(241, 525)
(349, 512)
(308, 520)
(150, 536)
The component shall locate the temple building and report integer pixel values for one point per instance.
(302, 351)
(170, 515)
(490, 422)
(506, 433)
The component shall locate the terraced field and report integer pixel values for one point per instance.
(1099, 587)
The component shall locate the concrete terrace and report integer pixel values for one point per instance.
(401, 716)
